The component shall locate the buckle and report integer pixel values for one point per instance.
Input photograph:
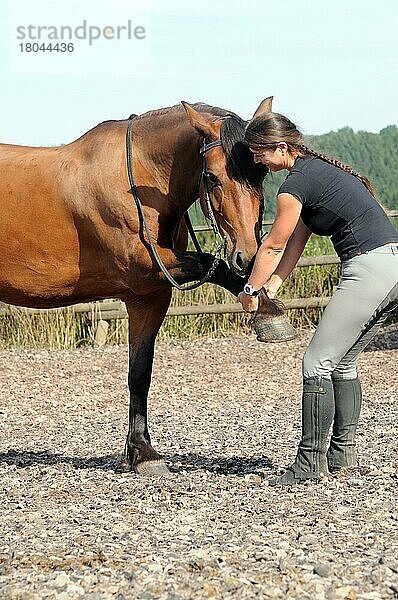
(314, 389)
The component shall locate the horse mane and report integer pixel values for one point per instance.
(240, 164)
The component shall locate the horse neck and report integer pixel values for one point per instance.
(168, 150)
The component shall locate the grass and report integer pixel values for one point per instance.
(61, 329)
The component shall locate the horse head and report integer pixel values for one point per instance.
(232, 182)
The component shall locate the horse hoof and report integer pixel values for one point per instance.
(274, 329)
(270, 321)
(151, 468)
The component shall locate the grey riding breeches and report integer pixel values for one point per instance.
(367, 293)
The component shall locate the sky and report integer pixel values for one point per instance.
(328, 64)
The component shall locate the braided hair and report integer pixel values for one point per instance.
(337, 163)
(268, 129)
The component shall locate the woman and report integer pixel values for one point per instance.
(324, 196)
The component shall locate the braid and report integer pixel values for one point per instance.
(340, 165)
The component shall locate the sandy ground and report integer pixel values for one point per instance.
(225, 413)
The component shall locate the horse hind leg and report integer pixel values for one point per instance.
(146, 314)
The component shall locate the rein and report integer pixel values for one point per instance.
(204, 175)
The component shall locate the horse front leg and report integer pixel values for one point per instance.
(146, 314)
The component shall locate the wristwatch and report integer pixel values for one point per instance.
(250, 291)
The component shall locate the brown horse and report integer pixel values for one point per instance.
(70, 230)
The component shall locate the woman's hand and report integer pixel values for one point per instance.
(249, 303)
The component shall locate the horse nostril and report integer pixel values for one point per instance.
(238, 262)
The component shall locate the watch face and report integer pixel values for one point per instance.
(248, 289)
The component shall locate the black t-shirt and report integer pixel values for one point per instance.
(338, 204)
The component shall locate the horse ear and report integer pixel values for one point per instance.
(265, 107)
(202, 122)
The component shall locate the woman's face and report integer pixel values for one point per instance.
(275, 160)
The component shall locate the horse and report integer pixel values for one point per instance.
(71, 232)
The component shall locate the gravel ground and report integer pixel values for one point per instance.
(225, 413)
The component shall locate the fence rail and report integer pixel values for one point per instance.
(115, 309)
(199, 228)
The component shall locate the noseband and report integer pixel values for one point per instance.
(205, 177)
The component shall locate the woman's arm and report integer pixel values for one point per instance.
(291, 255)
(288, 209)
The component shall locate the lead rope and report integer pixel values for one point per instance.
(140, 209)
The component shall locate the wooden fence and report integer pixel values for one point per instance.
(115, 309)
(105, 310)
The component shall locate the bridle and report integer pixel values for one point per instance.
(204, 176)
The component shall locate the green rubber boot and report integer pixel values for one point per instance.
(348, 400)
(317, 416)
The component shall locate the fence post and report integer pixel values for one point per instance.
(101, 333)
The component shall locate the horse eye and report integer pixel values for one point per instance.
(212, 179)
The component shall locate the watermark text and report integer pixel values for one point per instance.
(89, 33)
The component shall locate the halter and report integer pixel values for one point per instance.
(204, 176)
